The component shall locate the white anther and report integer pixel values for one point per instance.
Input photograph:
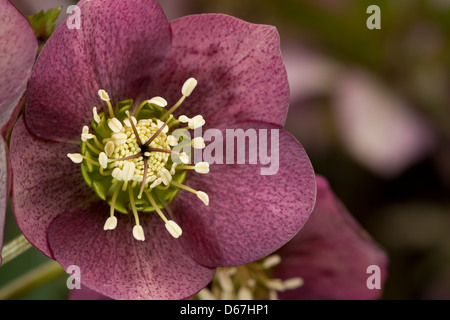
(293, 283)
(173, 228)
(184, 119)
(203, 196)
(147, 154)
(128, 170)
(225, 281)
(119, 138)
(244, 293)
(271, 261)
(111, 223)
(138, 233)
(103, 95)
(85, 135)
(202, 167)
(275, 284)
(172, 141)
(198, 143)
(206, 294)
(96, 116)
(75, 157)
(196, 122)
(184, 157)
(109, 148)
(117, 174)
(161, 102)
(165, 176)
(188, 87)
(115, 125)
(155, 183)
(103, 160)
(160, 124)
(174, 167)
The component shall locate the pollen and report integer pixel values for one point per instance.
(127, 158)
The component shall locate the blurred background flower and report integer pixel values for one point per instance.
(372, 109)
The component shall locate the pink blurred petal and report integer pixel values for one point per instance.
(378, 129)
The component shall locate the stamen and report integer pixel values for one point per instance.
(188, 87)
(111, 223)
(293, 283)
(173, 228)
(109, 148)
(114, 199)
(271, 261)
(200, 194)
(115, 125)
(105, 97)
(165, 175)
(103, 160)
(75, 157)
(96, 116)
(78, 158)
(138, 232)
(198, 143)
(186, 91)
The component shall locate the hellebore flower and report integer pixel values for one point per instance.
(18, 47)
(328, 259)
(108, 217)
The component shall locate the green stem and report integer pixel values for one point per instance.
(31, 280)
(14, 248)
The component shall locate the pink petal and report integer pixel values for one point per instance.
(332, 254)
(238, 66)
(46, 182)
(118, 48)
(117, 265)
(249, 215)
(18, 48)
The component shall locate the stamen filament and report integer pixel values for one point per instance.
(101, 146)
(153, 202)
(175, 106)
(138, 109)
(182, 186)
(114, 198)
(94, 149)
(133, 206)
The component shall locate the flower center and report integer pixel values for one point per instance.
(134, 161)
(252, 281)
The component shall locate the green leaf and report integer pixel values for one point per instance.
(43, 23)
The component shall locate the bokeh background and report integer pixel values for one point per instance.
(372, 109)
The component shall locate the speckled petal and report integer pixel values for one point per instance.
(118, 48)
(45, 183)
(117, 265)
(238, 65)
(331, 254)
(18, 48)
(249, 215)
